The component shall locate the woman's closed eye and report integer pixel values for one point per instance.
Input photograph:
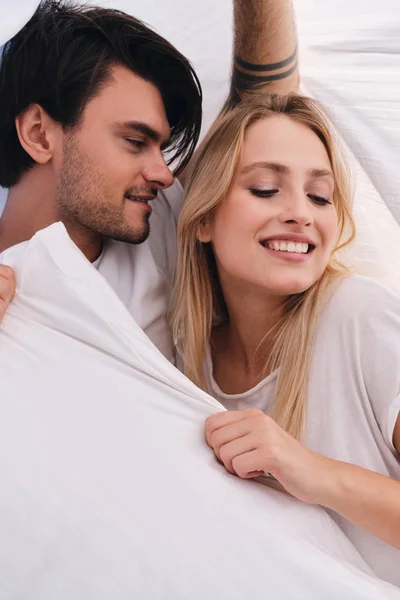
(263, 193)
(269, 192)
(319, 199)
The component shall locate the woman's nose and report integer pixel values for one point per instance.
(298, 211)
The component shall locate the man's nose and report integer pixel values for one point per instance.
(159, 174)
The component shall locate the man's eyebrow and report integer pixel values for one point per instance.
(278, 168)
(144, 129)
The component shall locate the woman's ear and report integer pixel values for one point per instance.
(204, 232)
(37, 133)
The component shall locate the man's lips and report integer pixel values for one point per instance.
(141, 199)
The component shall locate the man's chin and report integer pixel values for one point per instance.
(134, 236)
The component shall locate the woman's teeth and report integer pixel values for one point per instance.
(298, 247)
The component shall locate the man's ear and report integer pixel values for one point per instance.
(204, 232)
(37, 133)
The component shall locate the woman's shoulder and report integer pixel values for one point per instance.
(360, 298)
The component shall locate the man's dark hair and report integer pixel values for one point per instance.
(62, 58)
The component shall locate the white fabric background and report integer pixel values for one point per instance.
(14, 17)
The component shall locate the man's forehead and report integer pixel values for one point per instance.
(127, 98)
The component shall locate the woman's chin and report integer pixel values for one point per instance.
(290, 286)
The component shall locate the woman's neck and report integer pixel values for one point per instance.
(238, 364)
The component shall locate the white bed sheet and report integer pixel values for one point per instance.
(108, 487)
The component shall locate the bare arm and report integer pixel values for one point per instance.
(367, 499)
(265, 52)
(265, 48)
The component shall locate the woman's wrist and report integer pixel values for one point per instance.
(335, 484)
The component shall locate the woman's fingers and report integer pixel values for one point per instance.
(223, 419)
(229, 433)
(248, 442)
(248, 465)
(232, 450)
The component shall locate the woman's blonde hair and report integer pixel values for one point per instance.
(197, 300)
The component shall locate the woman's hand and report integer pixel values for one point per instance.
(7, 288)
(249, 443)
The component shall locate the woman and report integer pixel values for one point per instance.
(304, 355)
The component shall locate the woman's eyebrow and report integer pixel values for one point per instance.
(269, 166)
(320, 173)
(279, 168)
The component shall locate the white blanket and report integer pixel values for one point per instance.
(107, 488)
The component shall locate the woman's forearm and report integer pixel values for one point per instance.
(367, 499)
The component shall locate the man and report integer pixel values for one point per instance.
(87, 118)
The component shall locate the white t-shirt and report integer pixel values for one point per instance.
(141, 274)
(354, 394)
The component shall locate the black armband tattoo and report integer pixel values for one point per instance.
(243, 79)
(251, 78)
(242, 64)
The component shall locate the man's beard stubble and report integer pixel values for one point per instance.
(86, 202)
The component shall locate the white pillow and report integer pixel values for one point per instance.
(13, 16)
